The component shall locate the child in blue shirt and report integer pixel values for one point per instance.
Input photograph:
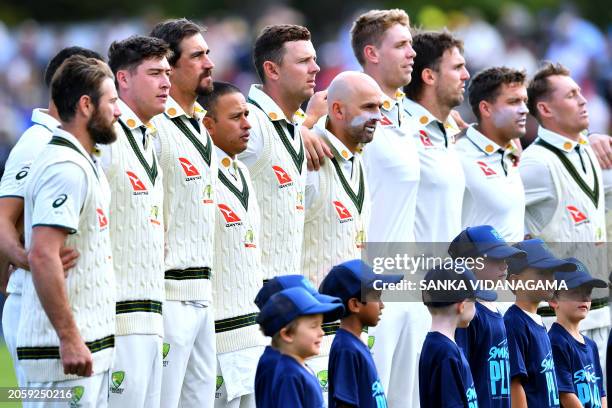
(445, 379)
(353, 379)
(484, 341)
(532, 368)
(579, 374)
(293, 318)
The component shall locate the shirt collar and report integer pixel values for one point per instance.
(129, 118)
(225, 161)
(270, 108)
(390, 103)
(481, 141)
(423, 117)
(174, 110)
(58, 131)
(559, 141)
(339, 149)
(42, 117)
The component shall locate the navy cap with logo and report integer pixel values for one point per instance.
(538, 256)
(289, 304)
(279, 283)
(347, 280)
(581, 277)
(450, 283)
(483, 240)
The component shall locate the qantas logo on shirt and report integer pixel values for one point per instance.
(425, 139)
(385, 121)
(488, 172)
(102, 220)
(230, 216)
(344, 214)
(577, 215)
(137, 185)
(282, 176)
(190, 170)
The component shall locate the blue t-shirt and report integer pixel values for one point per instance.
(353, 378)
(531, 358)
(445, 380)
(577, 365)
(485, 347)
(264, 376)
(293, 385)
(609, 361)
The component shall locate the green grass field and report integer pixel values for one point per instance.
(7, 375)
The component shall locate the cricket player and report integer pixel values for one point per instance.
(141, 73)
(189, 164)
(66, 338)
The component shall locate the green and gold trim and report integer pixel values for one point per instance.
(188, 274)
(40, 353)
(234, 323)
(133, 306)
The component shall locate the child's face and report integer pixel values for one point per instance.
(370, 312)
(493, 270)
(308, 335)
(535, 275)
(467, 310)
(573, 304)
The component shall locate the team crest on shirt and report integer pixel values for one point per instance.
(154, 215)
(425, 139)
(299, 201)
(360, 239)
(488, 172)
(577, 216)
(231, 218)
(189, 169)
(249, 238)
(344, 215)
(138, 186)
(282, 176)
(102, 220)
(207, 194)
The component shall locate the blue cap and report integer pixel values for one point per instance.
(348, 278)
(480, 241)
(581, 277)
(453, 284)
(279, 283)
(539, 256)
(288, 304)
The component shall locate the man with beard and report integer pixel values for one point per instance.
(436, 88)
(66, 338)
(17, 168)
(238, 268)
(136, 226)
(564, 193)
(285, 61)
(337, 197)
(189, 164)
(494, 191)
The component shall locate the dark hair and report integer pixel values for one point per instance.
(131, 52)
(487, 85)
(429, 48)
(62, 56)
(173, 32)
(539, 87)
(210, 99)
(369, 29)
(269, 44)
(76, 77)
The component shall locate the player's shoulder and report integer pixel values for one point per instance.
(31, 143)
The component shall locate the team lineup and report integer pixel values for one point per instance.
(171, 242)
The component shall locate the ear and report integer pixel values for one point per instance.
(554, 303)
(209, 123)
(370, 53)
(543, 109)
(336, 110)
(271, 70)
(353, 305)
(122, 78)
(428, 76)
(485, 109)
(285, 336)
(460, 307)
(85, 106)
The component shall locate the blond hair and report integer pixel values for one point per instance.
(369, 28)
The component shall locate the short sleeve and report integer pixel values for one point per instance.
(452, 383)
(16, 170)
(517, 347)
(563, 367)
(290, 392)
(345, 379)
(59, 196)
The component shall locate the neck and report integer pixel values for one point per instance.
(287, 104)
(527, 305)
(445, 325)
(342, 135)
(289, 352)
(492, 133)
(352, 324)
(570, 326)
(387, 89)
(439, 111)
(489, 305)
(575, 136)
(81, 134)
(52, 111)
(186, 100)
(144, 118)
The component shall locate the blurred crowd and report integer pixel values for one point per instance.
(518, 39)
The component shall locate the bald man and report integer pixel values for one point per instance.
(337, 200)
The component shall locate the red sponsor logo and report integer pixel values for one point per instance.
(577, 215)
(229, 215)
(486, 169)
(385, 121)
(189, 169)
(343, 212)
(425, 139)
(102, 220)
(137, 185)
(282, 176)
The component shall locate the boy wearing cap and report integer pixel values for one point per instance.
(484, 341)
(533, 381)
(293, 318)
(353, 379)
(442, 365)
(577, 365)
